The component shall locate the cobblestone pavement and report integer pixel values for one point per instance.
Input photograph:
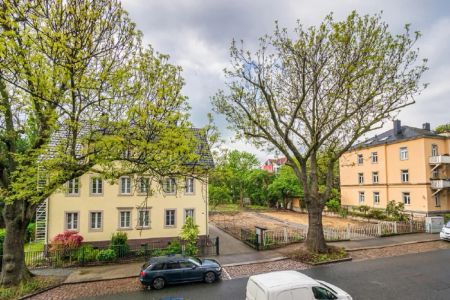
(108, 287)
(399, 250)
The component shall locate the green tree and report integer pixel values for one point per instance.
(442, 128)
(257, 183)
(315, 92)
(189, 234)
(285, 186)
(77, 89)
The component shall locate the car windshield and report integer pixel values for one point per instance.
(448, 225)
(196, 261)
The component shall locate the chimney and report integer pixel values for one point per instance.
(397, 127)
(426, 126)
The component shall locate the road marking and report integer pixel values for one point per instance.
(226, 274)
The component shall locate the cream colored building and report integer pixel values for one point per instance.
(96, 208)
(405, 164)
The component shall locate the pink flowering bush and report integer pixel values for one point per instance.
(66, 241)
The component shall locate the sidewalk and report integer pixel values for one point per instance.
(388, 241)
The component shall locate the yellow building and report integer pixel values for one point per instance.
(405, 164)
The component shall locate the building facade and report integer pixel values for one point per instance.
(273, 165)
(96, 208)
(405, 164)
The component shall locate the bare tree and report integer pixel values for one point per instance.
(313, 95)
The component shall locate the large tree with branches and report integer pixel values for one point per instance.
(77, 90)
(313, 93)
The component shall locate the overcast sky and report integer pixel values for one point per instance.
(197, 35)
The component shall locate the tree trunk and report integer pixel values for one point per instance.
(315, 240)
(14, 269)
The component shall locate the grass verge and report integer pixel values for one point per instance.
(235, 208)
(305, 256)
(34, 285)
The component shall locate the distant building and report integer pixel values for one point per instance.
(405, 164)
(272, 165)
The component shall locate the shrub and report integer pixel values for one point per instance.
(377, 214)
(364, 208)
(87, 253)
(447, 218)
(67, 240)
(119, 243)
(106, 255)
(189, 234)
(343, 212)
(174, 247)
(333, 205)
(30, 233)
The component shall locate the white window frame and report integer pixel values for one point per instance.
(374, 157)
(404, 176)
(72, 220)
(376, 198)
(125, 185)
(73, 187)
(360, 178)
(189, 186)
(97, 224)
(403, 153)
(434, 150)
(170, 182)
(126, 221)
(174, 218)
(98, 191)
(406, 197)
(375, 177)
(361, 197)
(360, 159)
(186, 214)
(141, 185)
(143, 224)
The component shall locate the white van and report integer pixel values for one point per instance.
(291, 285)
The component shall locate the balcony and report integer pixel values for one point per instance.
(438, 184)
(439, 159)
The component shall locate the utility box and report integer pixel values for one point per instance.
(434, 224)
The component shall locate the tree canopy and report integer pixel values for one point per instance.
(315, 91)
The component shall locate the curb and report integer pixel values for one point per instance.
(392, 245)
(330, 261)
(256, 261)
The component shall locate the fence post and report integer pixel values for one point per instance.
(257, 241)
(82, 256)
(379, 228)
(410, 226)
(348, 231)
(395, 227)
(146, 251)
(285, 235)
(217, 246)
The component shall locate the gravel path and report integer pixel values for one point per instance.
(248, 270)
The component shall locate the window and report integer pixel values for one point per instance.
(405, 175)
(144, 218)
(144, 184)
(125, 219)
(125, 185)
(169, 185)
(374, 157)
(186, 265)
(435, 173)
(361, 197)
(96, 220)
(96, 186)
(72, 221)
(375, 178)
(189, 189)
(406, 198)
(403, 153)
(376, 198)
(73, 187)
(434, 150)
(437, 201)
(322, 293)
(169, 218)
(360, 159)
(189, 212)
(360, 178)
(172, 265)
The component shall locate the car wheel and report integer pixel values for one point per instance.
(158, 283)
(210, 277)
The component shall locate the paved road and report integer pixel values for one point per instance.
(229, 244)
(412, 276)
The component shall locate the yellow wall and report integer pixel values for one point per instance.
(389, 168)
(111, 201)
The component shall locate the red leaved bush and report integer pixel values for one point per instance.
(66, 241)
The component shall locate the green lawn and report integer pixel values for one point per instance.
(232, 207)
(38, 246)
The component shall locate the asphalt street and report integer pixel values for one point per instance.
(412, 277)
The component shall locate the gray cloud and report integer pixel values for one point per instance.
(197, 35)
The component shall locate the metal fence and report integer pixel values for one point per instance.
(87, 255)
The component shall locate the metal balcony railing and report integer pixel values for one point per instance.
(440, 183)
(439, 159)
